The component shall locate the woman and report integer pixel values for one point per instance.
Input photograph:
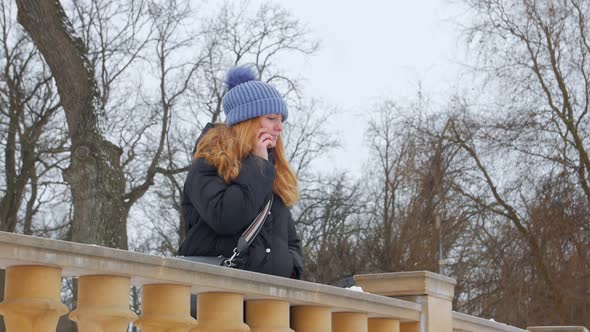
(237, 167)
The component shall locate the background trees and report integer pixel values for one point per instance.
(537, 53)
(32, 142)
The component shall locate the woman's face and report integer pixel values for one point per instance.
(273, 123)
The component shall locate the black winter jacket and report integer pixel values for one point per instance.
(216, 214)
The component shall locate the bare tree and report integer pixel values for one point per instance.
(28, 108)
(329, 219)
(536, 53)
(540, 54)
(116, 34)
(416, 217)
(240, 34)
(236, 34)
(33, 148)
(95, 174)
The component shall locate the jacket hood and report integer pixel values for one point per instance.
(208, 126)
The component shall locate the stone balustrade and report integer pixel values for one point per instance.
(227, 299)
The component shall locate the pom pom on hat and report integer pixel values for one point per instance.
(239, 75)
(249, 98)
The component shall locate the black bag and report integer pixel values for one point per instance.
(243, 242)
(205, 259)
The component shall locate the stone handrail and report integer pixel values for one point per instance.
(467, 323)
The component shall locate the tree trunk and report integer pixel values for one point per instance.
(15, 183)
(95, 175)
(10, 202)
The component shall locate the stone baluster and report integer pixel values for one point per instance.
(165, 308)
(349, 322)
(383, 325)
(32, 301)
(311, 319)
(220, 312)
(268, 316)
(103, 304)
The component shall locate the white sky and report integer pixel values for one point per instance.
(371, 50)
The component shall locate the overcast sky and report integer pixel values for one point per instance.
(375, 49)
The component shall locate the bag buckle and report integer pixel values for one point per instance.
(229, 262)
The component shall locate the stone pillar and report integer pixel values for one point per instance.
(268, 316)
(311, 319)
(165, 308)
(557, 329)
(32, 301)
(349, 322)
(433, 291)
(103, 304)
(220, 312)
(383, 325)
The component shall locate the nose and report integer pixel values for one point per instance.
(279, 126)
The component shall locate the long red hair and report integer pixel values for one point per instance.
(226, 148)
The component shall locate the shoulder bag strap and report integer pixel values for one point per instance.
(251, 232)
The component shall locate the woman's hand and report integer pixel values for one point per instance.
(264, 142)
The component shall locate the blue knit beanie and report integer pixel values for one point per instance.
(248, 98)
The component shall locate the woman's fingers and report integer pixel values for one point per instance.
(264, 142)
(265, 139)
